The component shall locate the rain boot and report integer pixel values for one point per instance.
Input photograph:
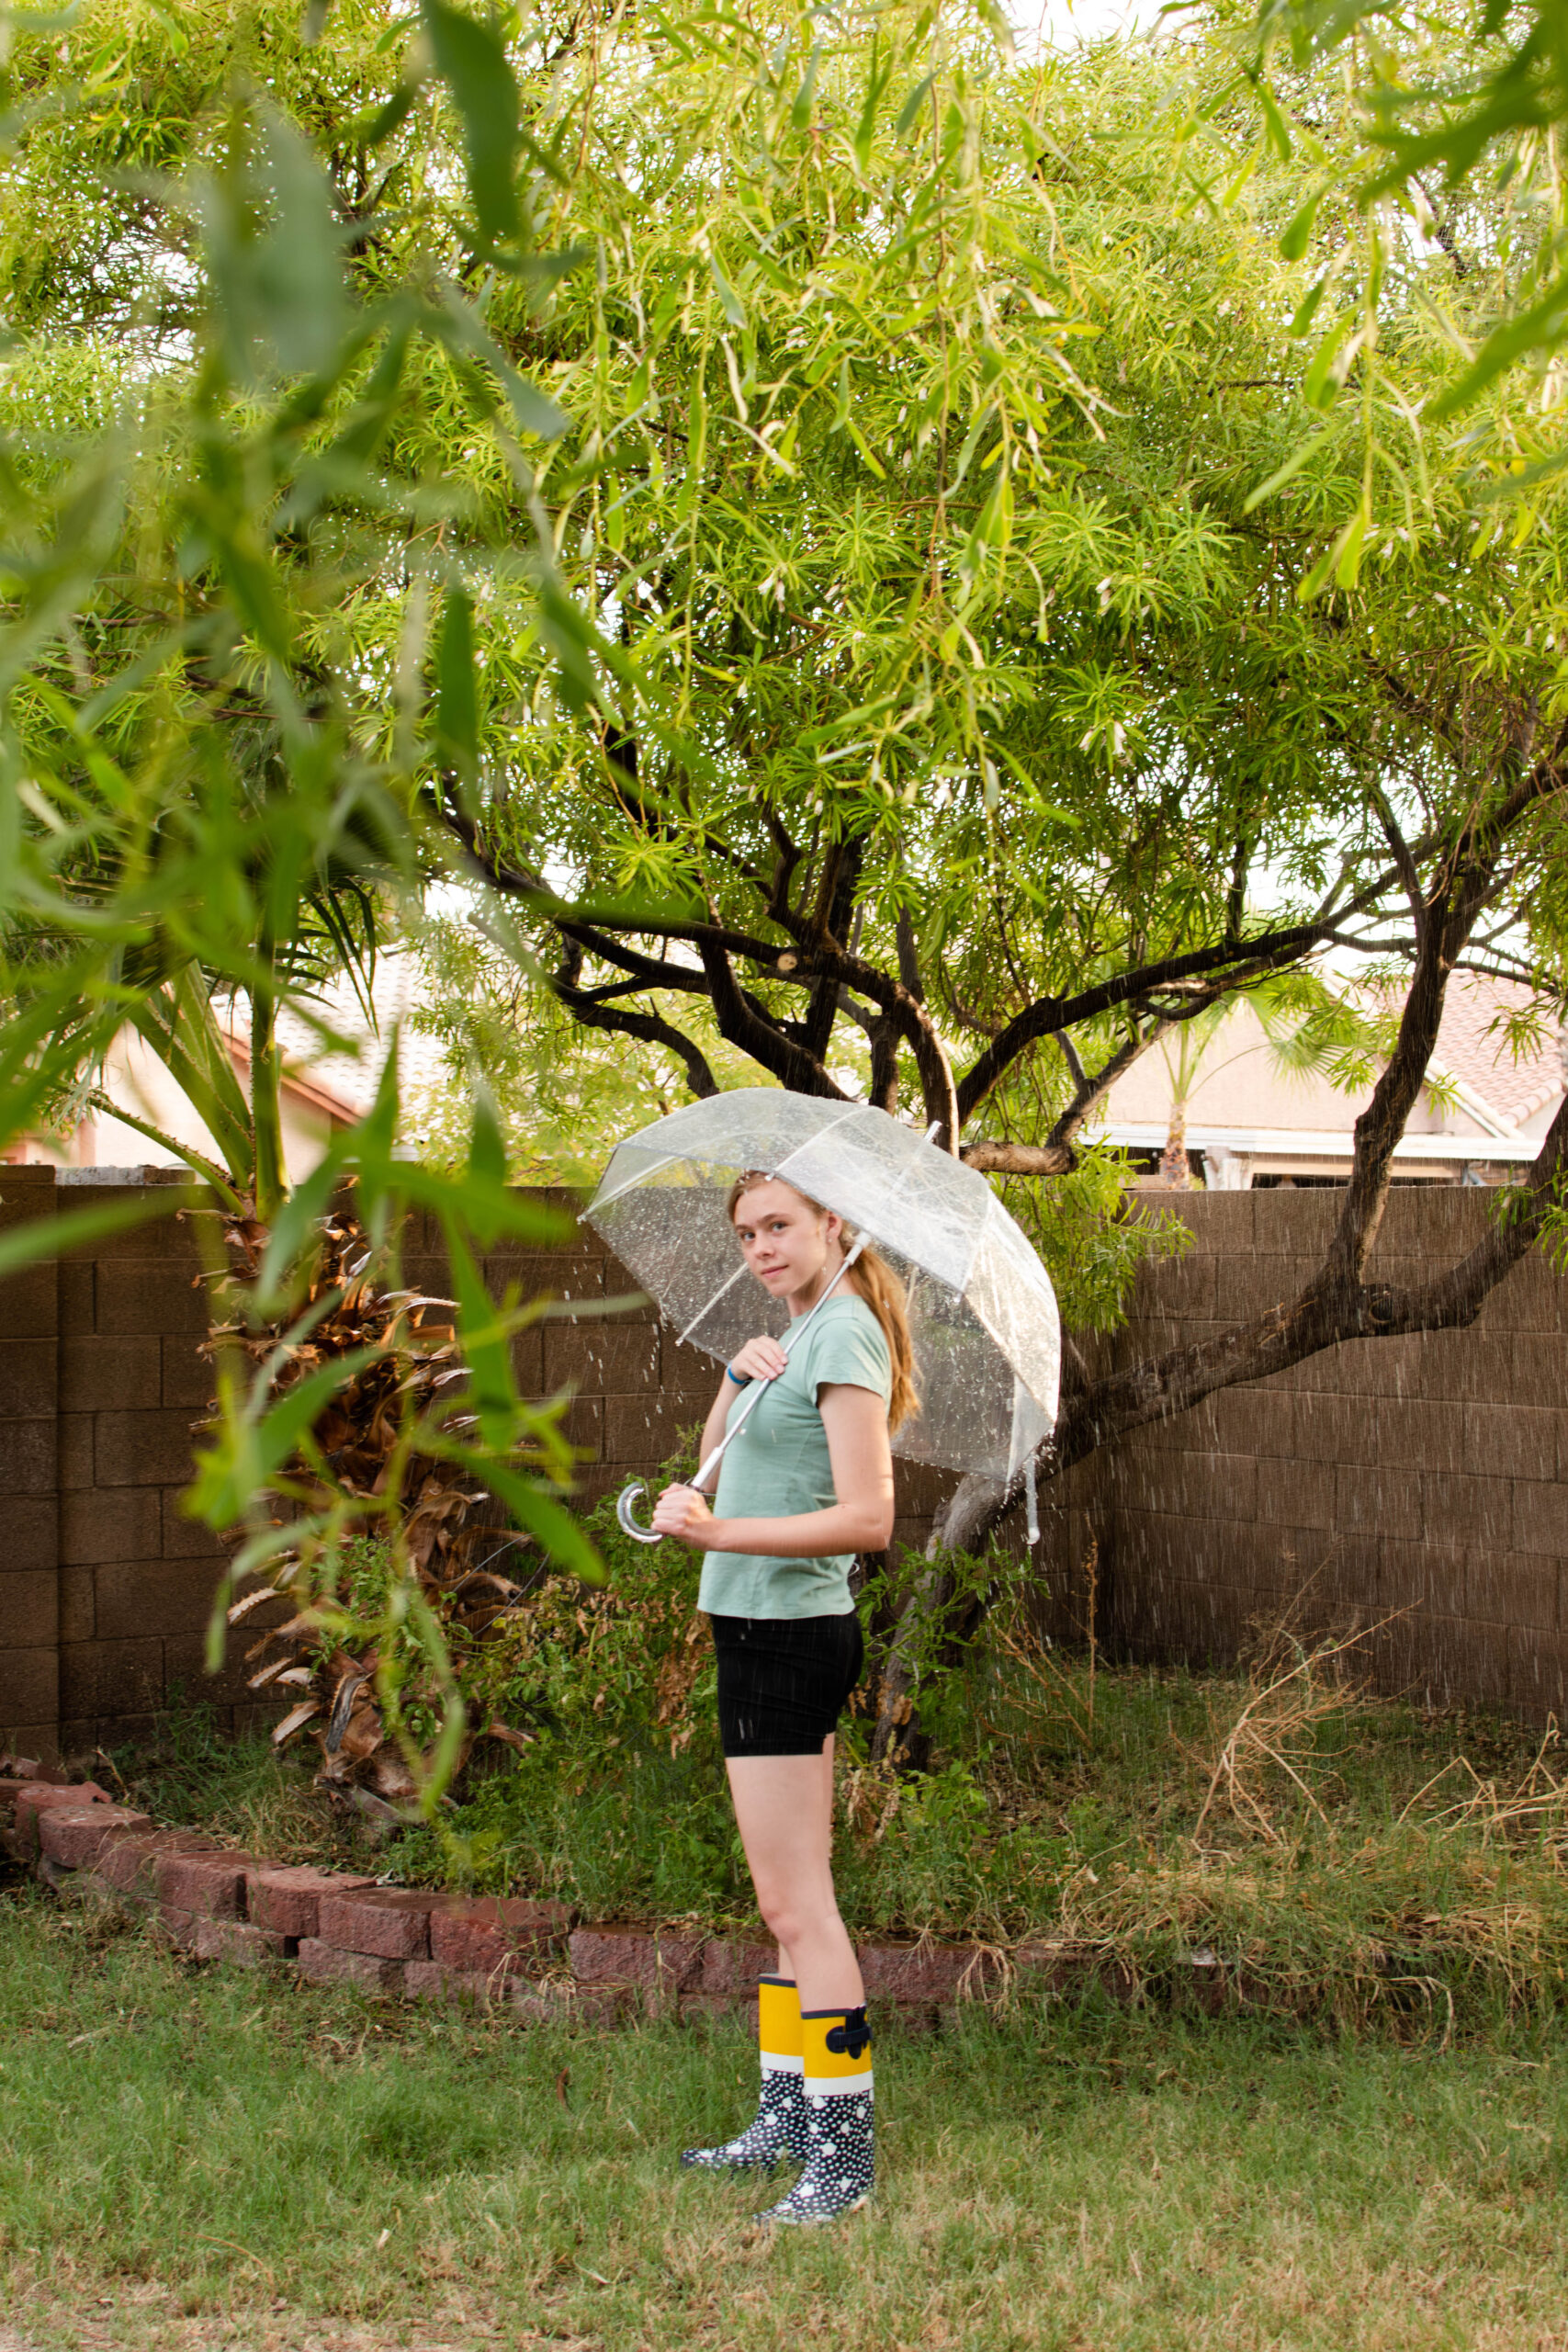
(839, 2164)
(778, 2134)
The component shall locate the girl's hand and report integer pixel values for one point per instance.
(682, 1512)
(759, 1359)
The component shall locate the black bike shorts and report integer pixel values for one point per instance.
(782, 1682)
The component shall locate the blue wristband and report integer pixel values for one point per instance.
(742, 1379)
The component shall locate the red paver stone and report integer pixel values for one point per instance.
(387, 1922)
(925, 1972)
(178, 1925)
(231, 1940)
(731, 1967)
(129, 1864)
(74, 1834)
(212, 1885)
(655, 1964)
(486, 1933)
(713, 2004)
(285, 1897)
(457, 1988)
(41, 1796)
(323, 1963)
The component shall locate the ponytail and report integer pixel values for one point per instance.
(874, 1282)
(883, 1292)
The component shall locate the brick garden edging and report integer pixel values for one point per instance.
(531, 1960)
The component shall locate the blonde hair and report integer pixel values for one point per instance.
(874, 1280)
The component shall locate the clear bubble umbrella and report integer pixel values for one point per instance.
(982, 1312)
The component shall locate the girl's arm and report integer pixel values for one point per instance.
(861, 1520)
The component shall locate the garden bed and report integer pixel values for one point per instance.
(1279, 1840)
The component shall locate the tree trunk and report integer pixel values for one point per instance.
(1337, 1304)
(1175, 1167)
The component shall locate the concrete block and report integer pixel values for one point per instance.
(32, 1531)
(1423, 1432)
(97, 1375)
(122, 1524)
(73, 1436)
(138, 1295)
(582, 1424)
(1296, 1494)
(144, 1597)
(29, 1608)
(29, 1302)
(605, 1359)
(146, 1447)
(1379, 1500)
(75, 1604)
(323, 1963)
(391, 1922)
(1476, 1511)
(184, 1538)
(30, 1686)
(29, 1457)
(1540, 1519)
(75, 1293)
(28, 1377)
(285, 1898)
(186, 1378)
(1471, 1365)
(1513, 1440)
(1337, 1429)
(1518, 1588)
(99, 1679)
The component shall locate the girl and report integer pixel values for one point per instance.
(808, 1483)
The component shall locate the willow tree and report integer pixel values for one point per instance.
(828, 525)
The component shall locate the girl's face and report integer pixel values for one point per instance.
(786, 1243)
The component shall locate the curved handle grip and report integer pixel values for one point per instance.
(626, 1503)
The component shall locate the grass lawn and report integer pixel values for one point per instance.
(202, 2158)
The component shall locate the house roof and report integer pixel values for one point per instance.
(1473, 1048)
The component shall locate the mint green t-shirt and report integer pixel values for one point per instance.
(779, 1466)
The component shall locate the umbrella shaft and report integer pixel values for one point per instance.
(759, 1386)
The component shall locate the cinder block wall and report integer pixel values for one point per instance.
(105, 1586)
(1422, 1481)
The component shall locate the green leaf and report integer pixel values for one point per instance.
(1300, 456)
(912, 105)
(545, 1520)
(1296, 236)
(274, 254)
(458, 706)
(471, 59)
(1539, 328)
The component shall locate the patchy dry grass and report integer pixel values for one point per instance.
(195, 2159)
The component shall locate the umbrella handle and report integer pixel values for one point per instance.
(626, 1506)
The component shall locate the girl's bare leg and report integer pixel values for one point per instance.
(784, 1805)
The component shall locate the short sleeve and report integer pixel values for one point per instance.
(851, 1349)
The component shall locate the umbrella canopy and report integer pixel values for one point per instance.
(982, 1313)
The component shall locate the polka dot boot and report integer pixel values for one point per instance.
(778, 2134)
(841, 2161)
